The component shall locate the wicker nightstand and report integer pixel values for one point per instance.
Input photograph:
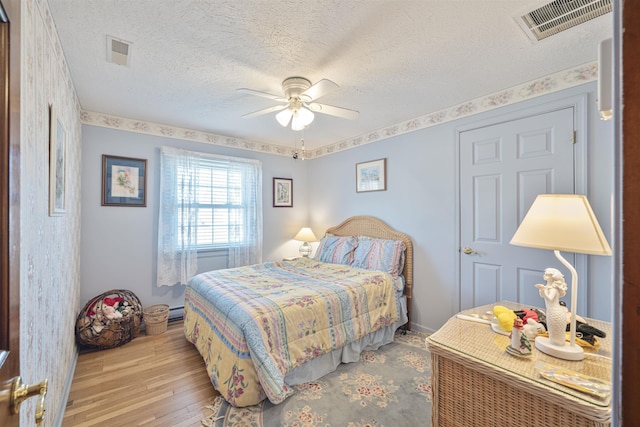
(477, 383)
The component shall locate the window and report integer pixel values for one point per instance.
(219, 207)
(207, 202)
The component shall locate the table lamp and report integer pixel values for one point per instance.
(562, 222)
(305, 235)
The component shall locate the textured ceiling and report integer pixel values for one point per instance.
(393, 59)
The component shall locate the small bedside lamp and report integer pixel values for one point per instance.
(305, 235)
(562, 222)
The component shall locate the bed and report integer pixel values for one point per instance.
(263, 328)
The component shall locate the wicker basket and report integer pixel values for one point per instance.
(96, 329)
(156, 318)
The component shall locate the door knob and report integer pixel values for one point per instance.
(21, 392)
(468, 251)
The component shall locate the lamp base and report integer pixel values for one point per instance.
(566, 351)
(305, 250)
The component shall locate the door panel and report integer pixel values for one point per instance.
(487, 215)
(9, 255)
(488, 280)
(503, 167)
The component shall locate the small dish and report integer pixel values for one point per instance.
(495, 327)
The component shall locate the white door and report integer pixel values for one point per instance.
(503, 167)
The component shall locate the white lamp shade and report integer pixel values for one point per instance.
(305, 235)
(301, 119)
(284, 117)
(305, 116)
(563, 222)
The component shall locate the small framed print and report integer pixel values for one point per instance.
(371, 176)
(282, 192)
(124, 181)
(57, 164)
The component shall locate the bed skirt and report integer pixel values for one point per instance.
(327, 363)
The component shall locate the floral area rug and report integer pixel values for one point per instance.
(388, 387)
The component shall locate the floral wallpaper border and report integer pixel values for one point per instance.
(545, 85)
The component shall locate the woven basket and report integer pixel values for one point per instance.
(156, 318)
(95, 329)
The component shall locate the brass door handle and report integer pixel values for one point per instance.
(21, 392)
(468, 251)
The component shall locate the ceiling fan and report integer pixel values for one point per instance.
(299, 97)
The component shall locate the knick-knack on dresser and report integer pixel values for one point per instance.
(552, 291)
(519, 344)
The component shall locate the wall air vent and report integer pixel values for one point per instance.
(560, 15)
(118, 51)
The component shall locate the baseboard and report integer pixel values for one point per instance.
(62, 406)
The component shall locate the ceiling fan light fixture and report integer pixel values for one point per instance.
(299, 109)
(302, 118)
(297, 124)
(299, 118)
(284, 117)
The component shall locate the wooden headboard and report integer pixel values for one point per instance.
(373, 227)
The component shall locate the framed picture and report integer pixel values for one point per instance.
(371, 176)
(57, 164)
(124, 181)
(282, 192)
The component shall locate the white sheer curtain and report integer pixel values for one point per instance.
(245, 235)
(210, 202)
(177, 253)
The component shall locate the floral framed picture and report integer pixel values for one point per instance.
(282, 192)
(371, 176)
(57, 164)
(124, 181)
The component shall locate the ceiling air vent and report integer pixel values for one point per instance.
(118, 51)
(561, 15)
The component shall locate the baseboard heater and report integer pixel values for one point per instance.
(176, 314)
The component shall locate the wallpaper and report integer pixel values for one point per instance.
(49, 245)
(545, 85)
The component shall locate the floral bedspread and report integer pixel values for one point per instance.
(254, 324)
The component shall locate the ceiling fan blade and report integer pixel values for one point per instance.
(265, 111)
(262, 94)
(318, 90)
(344, 113)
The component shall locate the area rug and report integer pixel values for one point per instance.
(388, 387)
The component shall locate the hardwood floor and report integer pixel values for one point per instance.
(154, 380)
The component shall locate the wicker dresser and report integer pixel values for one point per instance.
(477, 383)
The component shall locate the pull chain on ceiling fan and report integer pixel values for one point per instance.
(299, 106)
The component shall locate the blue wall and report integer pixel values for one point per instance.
(422, 201)
(118, 243)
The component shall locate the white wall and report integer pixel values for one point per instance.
(422, 195)
(119, 243)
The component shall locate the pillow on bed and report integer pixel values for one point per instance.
(336, 249)
(379, 254)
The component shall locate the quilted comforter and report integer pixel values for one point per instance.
(254, 324)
